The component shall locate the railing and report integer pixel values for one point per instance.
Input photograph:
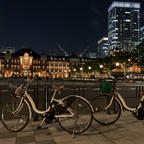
(41, 90)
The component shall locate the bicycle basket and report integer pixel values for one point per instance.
(19, 91)
(106, 87)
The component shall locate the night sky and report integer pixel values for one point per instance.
(40, 24)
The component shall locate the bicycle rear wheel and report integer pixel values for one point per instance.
(75, 114)
(15, 122)
(101, 114)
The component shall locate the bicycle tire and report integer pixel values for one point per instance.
(82, 118)
(108, 116)
(15, 122)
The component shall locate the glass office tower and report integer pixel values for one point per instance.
(103, 47)
(142, 34)
(123, 25)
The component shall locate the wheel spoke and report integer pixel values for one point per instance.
(81, 120)
(107, 110)
(15, 121)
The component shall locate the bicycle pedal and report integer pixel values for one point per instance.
(55, 120)
(39, 127)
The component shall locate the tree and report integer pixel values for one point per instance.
(124, 58)
(139, 55)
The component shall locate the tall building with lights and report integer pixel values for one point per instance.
(103, 47)
(142, 34)
(123, 25)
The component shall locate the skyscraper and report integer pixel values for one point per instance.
(142, 34)
(103, 47)
(123, 25)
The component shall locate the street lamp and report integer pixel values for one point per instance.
(117, 64)
(89, 67)
(81, 69)
(74, 72)
(101, 66)
(129, 60)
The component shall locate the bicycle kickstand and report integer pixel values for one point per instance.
(73, 135)
(39, 126)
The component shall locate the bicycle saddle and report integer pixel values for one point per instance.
(141, 92)
(57, 87)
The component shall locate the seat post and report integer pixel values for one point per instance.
(53, 96)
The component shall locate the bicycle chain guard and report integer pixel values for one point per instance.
(50, 116)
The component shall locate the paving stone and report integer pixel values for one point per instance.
(24, 140)
(42, 137)
(127, 130)
(8, 141)
(25, 133)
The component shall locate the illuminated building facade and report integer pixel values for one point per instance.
(123, 25)
(103, 47)
(27, 62)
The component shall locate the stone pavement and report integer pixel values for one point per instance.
(127, 130)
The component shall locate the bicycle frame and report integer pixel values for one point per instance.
(122, 101)
(48, 109)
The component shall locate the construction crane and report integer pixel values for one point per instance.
(67, 55)
(61, 48)
(83, 52)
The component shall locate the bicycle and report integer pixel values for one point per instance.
(107, 107)
(73, 112)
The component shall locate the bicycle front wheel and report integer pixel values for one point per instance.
(106, 110)
(15, 121)
(74, 114)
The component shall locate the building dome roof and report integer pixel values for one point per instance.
(27, 50)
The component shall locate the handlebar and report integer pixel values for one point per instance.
(29, 79)
(24, 86)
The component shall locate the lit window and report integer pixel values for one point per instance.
(127, 20)
(127, 12)
(115, 37)
(115, 21)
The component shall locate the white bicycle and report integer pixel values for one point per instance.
(107, 107)
(73, 113)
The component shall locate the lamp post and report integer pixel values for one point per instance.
(69, 73)
(89, 71)
(101, 67)
(117, 64)
(74, 72)
(81, 69)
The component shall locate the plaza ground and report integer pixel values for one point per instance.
(127, 130)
